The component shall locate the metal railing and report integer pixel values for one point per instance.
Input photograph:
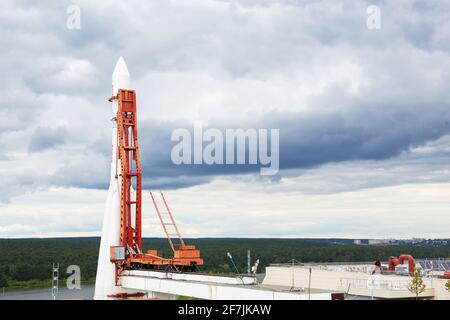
(396, 285)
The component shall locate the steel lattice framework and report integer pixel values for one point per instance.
(185, 257)
(128, 149)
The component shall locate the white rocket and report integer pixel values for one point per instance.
(105, 281)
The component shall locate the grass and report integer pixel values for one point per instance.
(16, 284)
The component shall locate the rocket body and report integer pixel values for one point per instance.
(105, 281)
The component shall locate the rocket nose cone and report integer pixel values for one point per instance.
(120, 76)
(121, 67)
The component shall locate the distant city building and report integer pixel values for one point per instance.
(413, 241)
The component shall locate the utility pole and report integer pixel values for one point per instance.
(248, 261)
(55, 280)
(309, 284)
(372, 282)
(234, 265)
(292, 278)
(432, 269)
(293, 274)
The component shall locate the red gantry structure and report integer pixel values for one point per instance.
(130, 255)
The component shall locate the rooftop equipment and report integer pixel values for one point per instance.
(393, 262)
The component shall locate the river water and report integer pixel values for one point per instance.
(85, 293)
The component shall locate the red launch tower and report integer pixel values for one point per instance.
(130, 255)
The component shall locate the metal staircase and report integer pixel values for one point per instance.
(170, 227)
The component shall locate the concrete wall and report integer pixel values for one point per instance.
(211, 291)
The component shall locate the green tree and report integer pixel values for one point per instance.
(447, 285)
(3, 281)
(416, 285)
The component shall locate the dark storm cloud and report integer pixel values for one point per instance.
(319, 139)
(311, 140)
(45, 138)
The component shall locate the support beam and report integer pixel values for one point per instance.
(210, 289)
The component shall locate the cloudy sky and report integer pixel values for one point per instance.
(364, 114)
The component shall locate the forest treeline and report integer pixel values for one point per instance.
(24, 261)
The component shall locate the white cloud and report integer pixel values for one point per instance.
(249, 210)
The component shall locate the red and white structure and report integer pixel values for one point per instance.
(121, 242)
(105, 284)
(124, 269)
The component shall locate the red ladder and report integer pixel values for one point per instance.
(165, 224)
